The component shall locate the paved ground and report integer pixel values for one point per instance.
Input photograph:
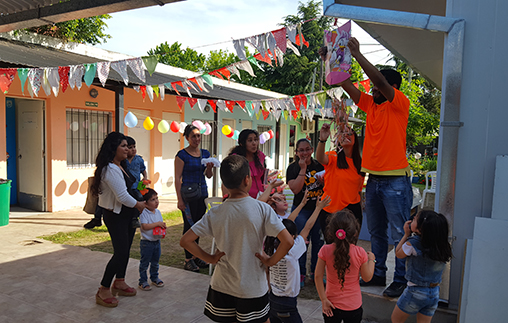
(45, 282)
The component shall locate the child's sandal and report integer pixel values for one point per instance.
(158, 283)
(144, 286)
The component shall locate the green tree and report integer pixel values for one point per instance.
(86, 30)
(175, 56)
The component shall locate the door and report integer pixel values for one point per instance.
(10, 138)
(30, 129)
(246, 124)
(170, 146)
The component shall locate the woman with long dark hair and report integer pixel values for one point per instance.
(190, 171)
(111, 183)
(248, 147)
(343, 175)
(301, 177)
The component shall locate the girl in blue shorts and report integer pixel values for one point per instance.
(427, 252)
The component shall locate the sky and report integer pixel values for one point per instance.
(200, 23)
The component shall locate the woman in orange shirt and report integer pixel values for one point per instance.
(343, 176)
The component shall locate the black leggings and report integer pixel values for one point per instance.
(355, 208)
(121, 233)
(195, 210)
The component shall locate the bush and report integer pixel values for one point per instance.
(422, 165)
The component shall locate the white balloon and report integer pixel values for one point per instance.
(74, 126)
(262, 139)
(182, 126)
(266, 135)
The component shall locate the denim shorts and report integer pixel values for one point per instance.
(416, 299)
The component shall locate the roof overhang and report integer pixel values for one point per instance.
(20, 14)
(419, 46)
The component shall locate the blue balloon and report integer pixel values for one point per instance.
(130, 120)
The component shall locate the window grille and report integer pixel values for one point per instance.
(266, 148)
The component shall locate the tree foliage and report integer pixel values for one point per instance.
(86, 30)
(175, 56)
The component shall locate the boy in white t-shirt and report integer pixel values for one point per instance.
(285, 275)
(150, 244)
(238, 289)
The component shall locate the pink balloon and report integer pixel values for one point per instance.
(208, 129)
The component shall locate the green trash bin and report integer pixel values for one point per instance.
(5, 201)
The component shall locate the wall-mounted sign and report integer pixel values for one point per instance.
(91, 104)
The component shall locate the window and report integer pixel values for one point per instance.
(86, 130)
(207, 140)
(266, 148)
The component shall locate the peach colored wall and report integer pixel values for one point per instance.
(66, 187)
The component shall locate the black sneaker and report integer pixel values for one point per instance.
(93, 223)
(375, 281)
(191, 266)
(135, 223)
(200, 263)
(395, 289)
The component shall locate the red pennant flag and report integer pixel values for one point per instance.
(6, 78)
(193, 80)
(366, 85)
(213, 104)
(297, 100)
(295, 114)
(192, 102)
(265, 114)
(180, 100)
(304, 100)
(265, 59)
(298, 42)
(173, 85)
(143, 91)
(230, 105)
(357, 85)
(214, 73)
(280, 38)
(224, 71)
(241, 104)
(63, 72)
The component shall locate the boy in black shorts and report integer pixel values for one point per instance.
(238, 289)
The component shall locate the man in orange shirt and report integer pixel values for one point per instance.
(388, 194)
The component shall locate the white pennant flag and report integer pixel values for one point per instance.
(136, 88)
(103, 71)
(310, 113)
(234, 70)
(162, 91)
(121, 68)
(191, 85)
(45, 82)
(202, 104)
(201, 83)
(272, 44)
(222, 105)
(30, 90)
(239, 45)
(293, 48)
(335, 92)
(137, 66)
(261, 44)
(76, 76)
(256, 104)
(277, 114)
(54, 80)
(149, 91)
(291, 32)
(245, 65)
(35, 76)
(280, 56)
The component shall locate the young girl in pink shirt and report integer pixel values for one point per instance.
(344, 262)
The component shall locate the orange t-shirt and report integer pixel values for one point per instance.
(384, 148)
(349, 298)
(342, 185)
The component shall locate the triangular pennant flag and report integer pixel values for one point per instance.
(257, 104)
(121, 68)
(291, 31)
(245, 65)
(230, 105)
(335, 92)
(192, 102)
(280, 56)
(150, 63)
(214, 73)
(261, 41)
(189, 84)
(254, 61)
(63, 73)
(173, 85)
(232, 68)
(155, 90)
(297, 100)
(293, 48)
(248, 107)
(304, 42)
(222, 105)
(272, 44)
(294, 113)
(213, 105)
(265, 114)
(35, 79)
(22, 74)
(280, 38)
(277, 114)
(201, 83)
(30, 89)
(265, 59)
(6, 78)
(239, 45)
(258, 114)
(137, 66)
(366, 85)
(143, 91)
(208, 79)
(76, 76)
(303, 99)
(196, 82)
(149, 91)
(180, 100)
(136, 88)
(54, 80)
(90, 70)
(241, 104)
(357, 85)
(103, 71)
(187, 89)
(286, 114)
(162, 91)
(201, 104)
(310, 113)
(321, 97)
(224, 71)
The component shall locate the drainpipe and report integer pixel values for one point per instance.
(450, 105)
(119, 108)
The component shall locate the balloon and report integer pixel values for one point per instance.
(94, 126)
(226, 130)
(208, 129)
(236, 134)
(148, 123)
(175, 126)
(198, 124)
(203, 130)
(262, 139)
(267, 136)
(270, 132)
(182, 126)
(163, 126)
(74, 126)
(130, 120)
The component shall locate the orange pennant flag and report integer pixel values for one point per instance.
(193, 80)
(366, 85)
(174, 87)
(192, 102)
(224, 71)
(213, 104)
(297, 100)
(143, 91)
(241, 104)
(357, 85)
(214, 73)
(265, 114)
(230, 105)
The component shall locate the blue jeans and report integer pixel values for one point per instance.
(150, 255)
(388, 199)
(284, 309)
(416, 299)
(314, 236)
